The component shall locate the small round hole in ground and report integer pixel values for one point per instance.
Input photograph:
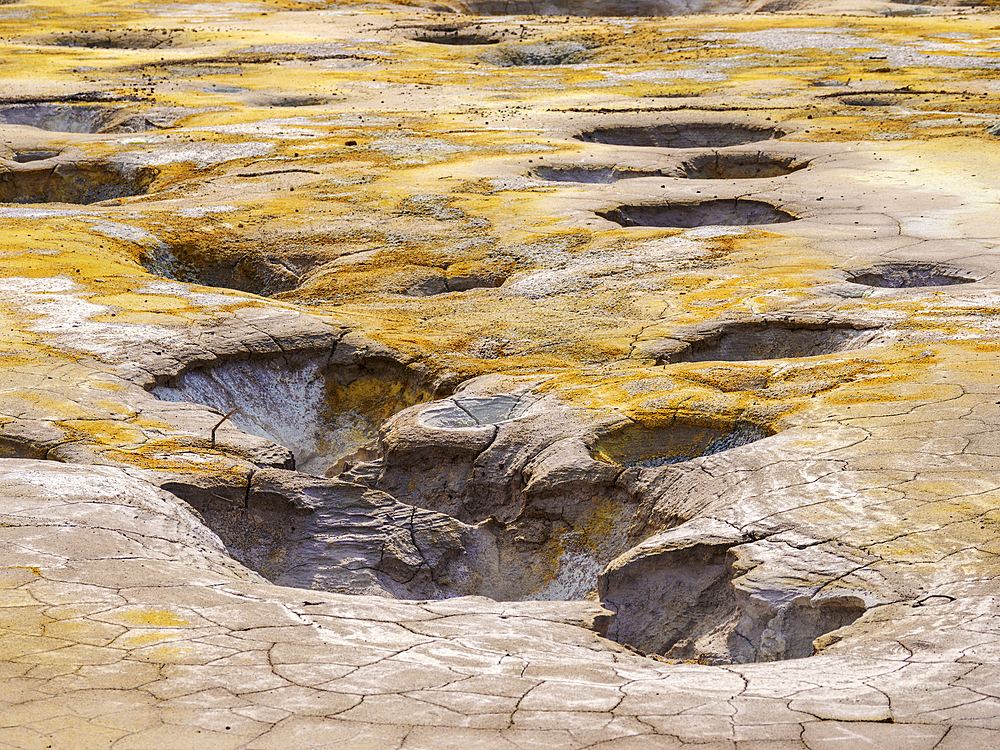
(643, 446)
(756, 340)
(79, 183)
(682, 135)
(721, 212)
(592, 175)
(722, 166)
(908, 275)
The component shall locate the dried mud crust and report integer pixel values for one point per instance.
(771, 509)
(721, 212)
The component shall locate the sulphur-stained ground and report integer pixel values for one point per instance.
(398, 377)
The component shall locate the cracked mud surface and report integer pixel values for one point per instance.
(334, 414)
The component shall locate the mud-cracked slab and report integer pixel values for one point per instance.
(411, 378)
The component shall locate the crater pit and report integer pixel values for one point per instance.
(682, 135)
(870, 101)
(251, 270)
(323, 407)
(637, 445)
(681, 595)
(537, 54)
(730, 166)
(593, 175)
(772, 339)
(114, 39)
(79, 183)
(63, 117)
(455, 35)
(718, 212)
(909, 275)
(30, 155)
(447, 284)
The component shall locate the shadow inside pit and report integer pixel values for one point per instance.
(720, 212)
(114, 39)
(772, 339)
(682, 601)
(27, 156)
(248, 271)
(593, 175)
(537, 54)
(322, 409)
(456, 36)
(447, 284)
(712, 166)
(79, 183)
(62, 117)
(680, 135)
(636, 445)
(909, 275)
(729, 166)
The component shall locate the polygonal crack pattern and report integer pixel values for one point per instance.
(721, 212)
(676, 135)
(777, 339)
(73, 183)
(907, 275)
(637, 445)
